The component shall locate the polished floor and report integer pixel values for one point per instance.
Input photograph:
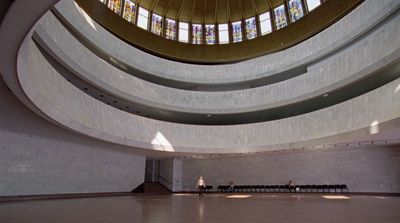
(189, 208)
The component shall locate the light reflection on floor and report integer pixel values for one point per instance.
(190, 208)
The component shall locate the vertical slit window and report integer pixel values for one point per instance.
(223, 33)
(210, 34)
(115, 6)
(295, 10)
(237, 31)
(265, 23)
(170, 31)
(312, 4)
(143, 18)
(197, 34)
(130, 11)
(183, 32)
(251, 30)
(280, 17)
(156, 24)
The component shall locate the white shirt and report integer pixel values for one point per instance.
(200, 182)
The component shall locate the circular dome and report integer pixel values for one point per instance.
(209, 25)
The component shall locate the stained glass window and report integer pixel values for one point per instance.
(265, 23)
(197, 34)
(170, 31)
(251, 29)
(295, 10)
(130, 11)
(183, 32)
(143, 18)
(223, 33)
(237, 31)
(156, 24)
(210, 34)
(280, 17)
(115, 5)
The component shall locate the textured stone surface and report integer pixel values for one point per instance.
(32, 166)
(375, 50)
(363, 169)
(54, 96)
(38, 157)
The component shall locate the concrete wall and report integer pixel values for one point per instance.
(171, 174)
(167, 173)
(377, 49)
(54, 95)
(363, 169)
(37, 157)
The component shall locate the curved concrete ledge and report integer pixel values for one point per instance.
(16, 25)
(377, 110)
(356, 23)
(378, 49)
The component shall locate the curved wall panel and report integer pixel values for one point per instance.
(360, 20)
(377, 50)
(75, 110)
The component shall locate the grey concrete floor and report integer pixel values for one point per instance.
(211, 208)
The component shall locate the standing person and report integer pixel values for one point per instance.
(201, 185)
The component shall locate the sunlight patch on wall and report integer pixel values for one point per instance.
(159, 142)
(374, 127)
(86, 16)
(397, 90)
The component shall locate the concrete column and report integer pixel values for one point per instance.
(177, 175)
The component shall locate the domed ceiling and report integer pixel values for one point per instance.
(209, 11)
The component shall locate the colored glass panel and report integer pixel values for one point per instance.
(295, 10)
(115, 6)
(197, 34)
(210, 34)
(170, 31)
(237, 31)
(129, 11)
(280, 17)
(251, 28)
(156, 24)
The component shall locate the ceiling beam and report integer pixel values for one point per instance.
(193, 10)
(255, 9)
(154, 5)
(179, 10)
(167, 8)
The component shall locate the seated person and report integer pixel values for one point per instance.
(291, 186)
(231, 186)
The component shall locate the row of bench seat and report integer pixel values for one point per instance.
(324, 188)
